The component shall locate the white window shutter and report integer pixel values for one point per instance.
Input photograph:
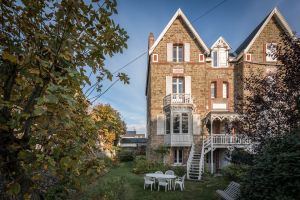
(187, 83)
(169, 52)
(160, 124)
(187, 52)
(168, 85)
(196, 124)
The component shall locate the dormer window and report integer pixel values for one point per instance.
(219, 53)
(220, 57)
(177, 52)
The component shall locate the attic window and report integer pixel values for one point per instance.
(177, 52)
(271, 49)
(219, 57)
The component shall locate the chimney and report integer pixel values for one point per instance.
(150, 40)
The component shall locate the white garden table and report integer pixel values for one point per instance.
(163, 176)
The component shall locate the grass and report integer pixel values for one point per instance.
(134, 190)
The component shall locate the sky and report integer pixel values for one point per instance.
(233, 19)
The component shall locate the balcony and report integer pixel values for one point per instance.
(174, 140)
(224, 140)
(219, 104)
(177, 99)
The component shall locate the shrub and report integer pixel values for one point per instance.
(179, 170)
(234, 172)
(126, 155)
(276, 171)
(241, 157)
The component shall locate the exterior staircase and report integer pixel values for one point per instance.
(195, 164)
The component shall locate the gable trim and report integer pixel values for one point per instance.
(185, 19)
(282, 22)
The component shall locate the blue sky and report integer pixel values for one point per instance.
(234, 20)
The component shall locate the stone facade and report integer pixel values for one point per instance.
(201, 74)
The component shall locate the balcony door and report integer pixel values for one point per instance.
(178, 89)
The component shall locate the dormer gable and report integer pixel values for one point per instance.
(219, 53)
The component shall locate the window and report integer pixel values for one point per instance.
(177, 53)
(270, 52)
(155, 58)
(213, 90)
(248, 57)
(219, 57)
(176, 123)
(185, 123)
(201, 58)
(180, 123)
(178, 155)
(225, 90)
(178, 86)
(168, 124)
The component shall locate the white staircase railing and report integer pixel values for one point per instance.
(189, 161)
(201, 164)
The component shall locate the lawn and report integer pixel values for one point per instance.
(134, 187)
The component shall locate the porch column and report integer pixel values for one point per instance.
(211, 151)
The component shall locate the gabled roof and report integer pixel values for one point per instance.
(222, 41)
(188, 23)
(246, 45)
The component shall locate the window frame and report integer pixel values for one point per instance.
(177, 159)
(269, 58)
(176, 57)
(177, 84)
(226, 94)
(155, 57)
(180, 122)
(215, 89)
(215, 54)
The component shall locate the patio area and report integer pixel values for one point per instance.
(134, 187)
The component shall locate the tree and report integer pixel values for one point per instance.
(276, 171)
(271, 107)
(110, 125)
(46, 47)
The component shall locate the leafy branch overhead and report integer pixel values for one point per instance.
(46, 48)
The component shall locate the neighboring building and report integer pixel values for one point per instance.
(191, 90)
(133, 141)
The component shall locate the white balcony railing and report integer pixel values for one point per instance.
(178, 98)
(225, 139)
(178, 139)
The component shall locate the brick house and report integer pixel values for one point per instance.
(191, 90)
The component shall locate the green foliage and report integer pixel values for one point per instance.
(142, 166)
(47, 47)
(241, 157)
(113, 189)
(109, 124)
(235, 172)
(126, 155)
(276, 171)
(162, 150)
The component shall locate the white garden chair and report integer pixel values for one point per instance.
(180, 181)
(170, 172)
(163, 182)
(148, 181)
